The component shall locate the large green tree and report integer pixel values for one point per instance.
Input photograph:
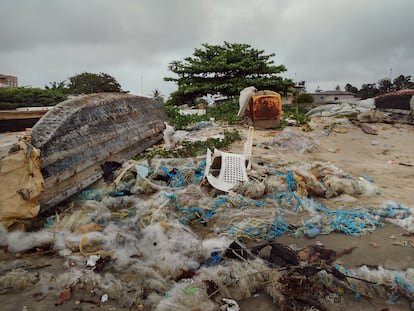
(225, 69)
(87, 83)
(368, 90)
(385, 86)
(402, 82)
(350, 88)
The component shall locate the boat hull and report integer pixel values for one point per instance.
(79, 135)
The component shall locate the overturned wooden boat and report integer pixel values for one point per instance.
(79, 135)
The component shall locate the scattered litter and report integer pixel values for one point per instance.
(201, 125)
(92, 211)
(231, 304)
(291, 141)
(331, 110)
(366, 104)
(368, 129)
(245, 95)
(312, 232)
(397, 214)
(92, 260)
(104, 298)
(168, 134)
(366, 177)
(64, 296)
(20, 195)
(401, 243)
(375, 116)
(158, 262)
(344, 198)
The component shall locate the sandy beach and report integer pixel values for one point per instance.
(386, 159)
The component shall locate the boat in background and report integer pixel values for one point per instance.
(21, 118)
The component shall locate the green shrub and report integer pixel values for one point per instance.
(12, 98)
(179, 121)
(304, 98)
(225, 111)
(300, 118)
(192, 149)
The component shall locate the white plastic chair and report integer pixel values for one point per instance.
(233, 168)
(247, 148)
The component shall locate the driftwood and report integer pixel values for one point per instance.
(368, 128)
(79, 135)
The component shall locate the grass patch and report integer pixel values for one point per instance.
(191, 149)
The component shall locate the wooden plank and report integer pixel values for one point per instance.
(21, 114)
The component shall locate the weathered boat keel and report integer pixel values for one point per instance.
(79, 135)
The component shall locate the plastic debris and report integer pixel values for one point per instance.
(231, 304)
(64, 296)
(92, 260)
(291, 141)
(331, 110)
(104, 298)
(375, 116)
(154, 251)
(312, 232)
(168, 133)
(22, 183)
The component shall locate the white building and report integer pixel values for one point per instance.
(329, 97)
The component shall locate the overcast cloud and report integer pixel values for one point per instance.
(323, 42)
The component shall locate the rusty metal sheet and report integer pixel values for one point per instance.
(266, 107)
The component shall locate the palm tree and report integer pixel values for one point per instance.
(157, 96)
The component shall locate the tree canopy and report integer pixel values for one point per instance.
(383, 86)
(57, 86)
(87, 83)
(225, 69)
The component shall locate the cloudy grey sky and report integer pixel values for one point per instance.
(323, 42)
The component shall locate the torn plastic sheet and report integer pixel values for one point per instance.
(331, 110)
(22, 183)
(290, 141)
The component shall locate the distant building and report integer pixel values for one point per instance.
(300, 87)
(8, 81)
(328, 97)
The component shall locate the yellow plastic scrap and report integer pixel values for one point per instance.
(22, 183)
(86, 254)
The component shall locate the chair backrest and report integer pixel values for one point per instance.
(232, 170)
(233, 165)
(248, 146)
